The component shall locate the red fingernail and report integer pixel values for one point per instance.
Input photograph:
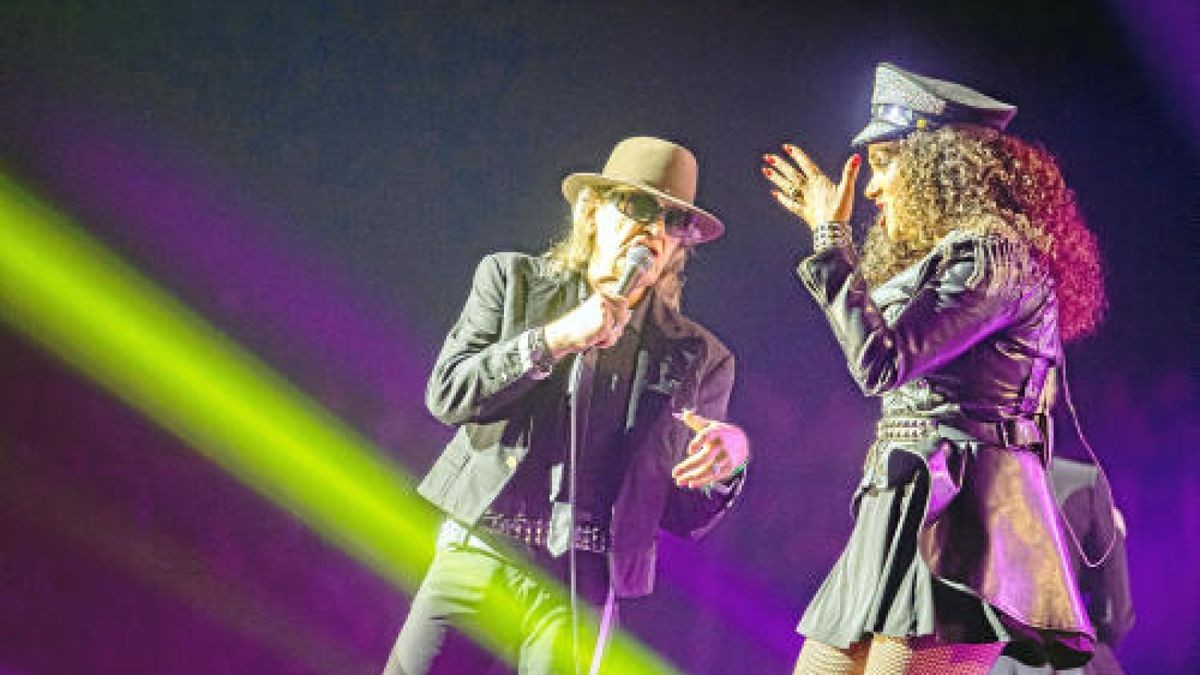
(769, 159)
(766, 172)
(789, 147)
(775, 194)
(856, 161)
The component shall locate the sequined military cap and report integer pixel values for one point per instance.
(903, 102)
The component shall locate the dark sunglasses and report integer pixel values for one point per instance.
(644, 208)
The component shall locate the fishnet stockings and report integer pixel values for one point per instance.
(884, 655)
(818, 658)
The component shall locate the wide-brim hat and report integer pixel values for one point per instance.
(903, 102)
(664, 169)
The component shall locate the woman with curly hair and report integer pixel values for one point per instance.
(978, 267)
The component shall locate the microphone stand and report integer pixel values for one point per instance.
(573, 460)
(638, 261)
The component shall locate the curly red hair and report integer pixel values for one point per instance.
(974, 178)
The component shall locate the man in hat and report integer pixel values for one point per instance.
(588, 413)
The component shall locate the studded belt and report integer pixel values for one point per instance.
(1014, 432)
(894, 429)
(904, 428)
(880, 469)
(534, 531)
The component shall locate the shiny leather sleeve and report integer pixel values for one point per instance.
(970, 286)
(478, 371)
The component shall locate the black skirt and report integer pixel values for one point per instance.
(880, 584)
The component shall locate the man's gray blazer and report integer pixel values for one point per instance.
(481, 384)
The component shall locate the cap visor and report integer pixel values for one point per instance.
(878, 131)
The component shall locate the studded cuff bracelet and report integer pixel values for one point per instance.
(831, 234)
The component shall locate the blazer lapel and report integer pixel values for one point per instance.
(648, 357)
(660, 386)
(664, 374)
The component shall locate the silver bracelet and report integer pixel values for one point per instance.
(831, 234)
(541, 360)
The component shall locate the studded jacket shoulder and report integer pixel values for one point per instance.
(971, 328)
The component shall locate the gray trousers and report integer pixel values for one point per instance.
(480, 610)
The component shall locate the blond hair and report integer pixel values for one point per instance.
(572, 251)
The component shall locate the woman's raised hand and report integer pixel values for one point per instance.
(803, 189)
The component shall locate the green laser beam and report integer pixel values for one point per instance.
(67, 293)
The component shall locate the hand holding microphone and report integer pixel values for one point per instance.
(600, 320)
(638, 261)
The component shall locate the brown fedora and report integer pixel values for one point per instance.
(665, 169)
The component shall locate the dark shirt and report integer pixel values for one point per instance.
(604, 456)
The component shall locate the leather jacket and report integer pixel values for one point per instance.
(959, 347)
(971, 330)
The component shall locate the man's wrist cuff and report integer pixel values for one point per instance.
(535, 354)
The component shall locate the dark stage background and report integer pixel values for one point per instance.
(320, 179)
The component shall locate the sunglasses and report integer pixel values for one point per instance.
(644, 208)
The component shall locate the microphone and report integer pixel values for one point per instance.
(638, 261)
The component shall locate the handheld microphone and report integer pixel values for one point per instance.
(638, 261)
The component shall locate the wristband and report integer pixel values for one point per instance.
(540, 358)
(831, 234)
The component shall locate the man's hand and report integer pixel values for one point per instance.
(597, 322)
(715, 453)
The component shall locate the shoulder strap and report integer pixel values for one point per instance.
(1102, 478)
